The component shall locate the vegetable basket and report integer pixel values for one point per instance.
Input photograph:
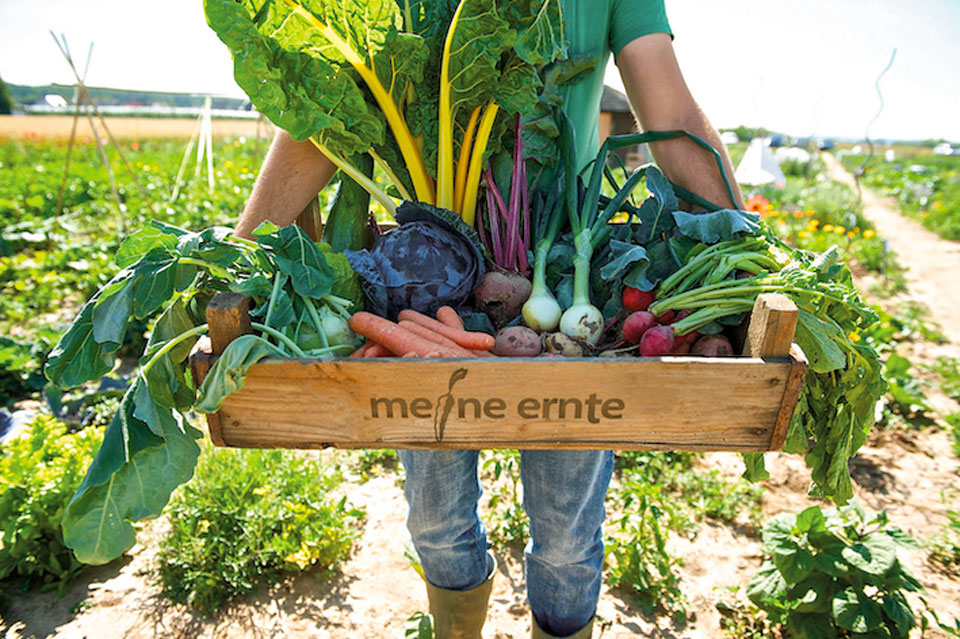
(654, 403)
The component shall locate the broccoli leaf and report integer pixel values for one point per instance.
(718, 226)
(131, 478)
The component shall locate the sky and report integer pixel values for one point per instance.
(803, 67)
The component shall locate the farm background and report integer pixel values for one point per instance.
(327, 558)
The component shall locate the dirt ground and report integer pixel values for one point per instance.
(58, 126)
(914, 476)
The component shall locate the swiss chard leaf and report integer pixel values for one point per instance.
(295, 77)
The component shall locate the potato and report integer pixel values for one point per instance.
(516, 341)
(565, 345)
(712, 346)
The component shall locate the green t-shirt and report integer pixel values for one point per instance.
(595, 29)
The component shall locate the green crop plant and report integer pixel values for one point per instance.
(39, 472)
(252, 517)
(835, 573)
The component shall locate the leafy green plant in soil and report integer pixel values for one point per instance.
(250, 518)
(702, 493)
(507, 522)
(21, 365)
(636, 555)
(944, 548)
(948, 370)
(835, 573)
(39, 472)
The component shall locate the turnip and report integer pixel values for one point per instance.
(657, 341)
(501, 295)
(636, 300)
(636, 325)
(517, 341)
(712, 346)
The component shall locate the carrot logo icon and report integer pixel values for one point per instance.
(445, 404)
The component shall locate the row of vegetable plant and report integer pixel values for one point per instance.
(926, 186)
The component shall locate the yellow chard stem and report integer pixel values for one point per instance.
(469, 211)
(390, 174)
(368, 185)
(422, 183)
(446, 118)
(464, 162)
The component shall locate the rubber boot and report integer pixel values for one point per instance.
(459, 614)
(583, 633)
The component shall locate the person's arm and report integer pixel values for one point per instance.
(292, 173)
(662, 101)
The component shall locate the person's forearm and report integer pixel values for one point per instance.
(691, 166)
(292, 173)
(662, 101)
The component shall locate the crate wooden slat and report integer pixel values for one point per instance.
(666, 403)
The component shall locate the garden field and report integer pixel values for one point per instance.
(926, 187)
(16, 127)
(311, 544)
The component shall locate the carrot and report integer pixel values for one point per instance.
(361, 352)
(450, 317)
(377, 351)
(435, 337)
(394, 338)
(478, 341)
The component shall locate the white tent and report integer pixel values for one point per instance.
(759, 166)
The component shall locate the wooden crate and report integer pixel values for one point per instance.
(648, 403)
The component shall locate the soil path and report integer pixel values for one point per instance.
(932, 263)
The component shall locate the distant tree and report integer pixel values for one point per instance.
(6, 102)
(745, 133)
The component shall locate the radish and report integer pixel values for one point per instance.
(636, 325)
(636, 300)
(666, 318)
(681, 348)
(657, 341)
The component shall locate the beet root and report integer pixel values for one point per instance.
(636, 325)
(712, 346)
(517, 341)
(657, 341)
(501, 295)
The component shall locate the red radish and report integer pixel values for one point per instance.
(681, 348)
(666, 318)
(636, 325)
(679, 316)
(636, 300)
(657, 341)
(712, 346)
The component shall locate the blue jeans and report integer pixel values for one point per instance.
(563, 496)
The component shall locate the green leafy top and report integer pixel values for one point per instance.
(359, 76)
(168, 275)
